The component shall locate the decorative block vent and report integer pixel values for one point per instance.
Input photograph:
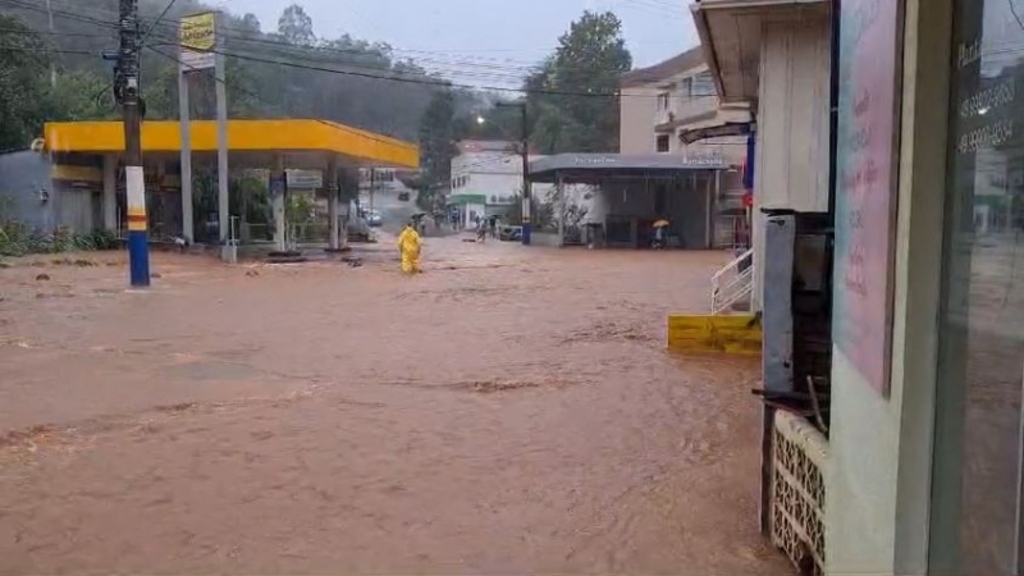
(799, 453)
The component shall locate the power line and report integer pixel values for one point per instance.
(653, 7)
(31, 32)
(438, 59)
(46, 51)
(424, 81)
(372, 73)
(208, 73)
(155, 23)
(247, 35)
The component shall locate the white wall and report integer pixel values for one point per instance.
(879, 474)
(638, 111)
(791, 169)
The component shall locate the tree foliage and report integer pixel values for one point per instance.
(296, 26)
(290, 72)
(437, 139)
(21, 86)
(572, 95)
(285, 73)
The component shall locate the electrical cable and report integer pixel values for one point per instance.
(356, 72)
(334, 125)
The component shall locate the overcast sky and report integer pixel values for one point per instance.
(490, 41)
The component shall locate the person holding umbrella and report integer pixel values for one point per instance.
(660, 226)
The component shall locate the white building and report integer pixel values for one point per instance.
(487, 176)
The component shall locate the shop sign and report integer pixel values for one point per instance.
(198, 39)
(866, 191)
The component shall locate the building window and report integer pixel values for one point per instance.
(702, 85)
(663, 143)
(663, 101)
(977, 458)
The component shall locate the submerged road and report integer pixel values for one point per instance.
(509, 411)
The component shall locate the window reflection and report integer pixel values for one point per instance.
(982, 326)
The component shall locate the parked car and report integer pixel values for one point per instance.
(508, 233)
(374, 219)
(403, 196)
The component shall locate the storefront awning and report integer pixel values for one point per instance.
(590, 167)
(730, 32)
(309, 140)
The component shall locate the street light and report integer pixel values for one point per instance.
(525, 151)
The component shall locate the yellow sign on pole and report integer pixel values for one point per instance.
(198, 39)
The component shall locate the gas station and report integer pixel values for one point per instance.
(88, 158)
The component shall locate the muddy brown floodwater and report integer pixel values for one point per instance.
(510, 411)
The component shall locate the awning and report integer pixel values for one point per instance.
(730, 32)
(310, 140)
(591, 167)
(719, 130)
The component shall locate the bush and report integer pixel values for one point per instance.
(18, 240)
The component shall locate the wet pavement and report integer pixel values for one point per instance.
(509, 411)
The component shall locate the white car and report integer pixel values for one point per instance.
(373, 218)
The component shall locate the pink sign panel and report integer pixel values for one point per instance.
(866, 199)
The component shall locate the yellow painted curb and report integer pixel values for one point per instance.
(733, 334)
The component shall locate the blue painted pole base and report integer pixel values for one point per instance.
(138, 257)
(526, 234)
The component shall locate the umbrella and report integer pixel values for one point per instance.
(661, 223)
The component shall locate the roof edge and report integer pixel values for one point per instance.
(677, 64)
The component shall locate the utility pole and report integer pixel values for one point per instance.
(53, 66)
(126, 92)
(525, 152)
(373, 185)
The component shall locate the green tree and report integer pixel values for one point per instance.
(75, 98)
(572, 95)
(296, 26)
(437, 147)
(23, 90)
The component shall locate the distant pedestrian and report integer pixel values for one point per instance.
(481, 230)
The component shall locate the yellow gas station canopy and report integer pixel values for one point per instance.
(357, 146)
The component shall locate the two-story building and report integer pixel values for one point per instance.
(672, 108)
(487, 176)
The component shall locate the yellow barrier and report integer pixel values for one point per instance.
(732, 334)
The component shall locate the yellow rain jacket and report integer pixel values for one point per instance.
(409, 246)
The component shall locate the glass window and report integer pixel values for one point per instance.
(976, 488)
(702, 86)
(662, 144)
(663, 99)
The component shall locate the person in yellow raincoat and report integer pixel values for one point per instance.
(409, 246)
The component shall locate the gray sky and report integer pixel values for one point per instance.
(490, 41)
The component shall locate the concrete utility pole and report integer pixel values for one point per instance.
(223, 205)
(185, 126)
(525, 152)
(53, 66)
(331, 185)
(126, 92)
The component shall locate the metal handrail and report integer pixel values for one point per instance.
(737, 287)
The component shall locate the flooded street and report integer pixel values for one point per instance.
(509, 411)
